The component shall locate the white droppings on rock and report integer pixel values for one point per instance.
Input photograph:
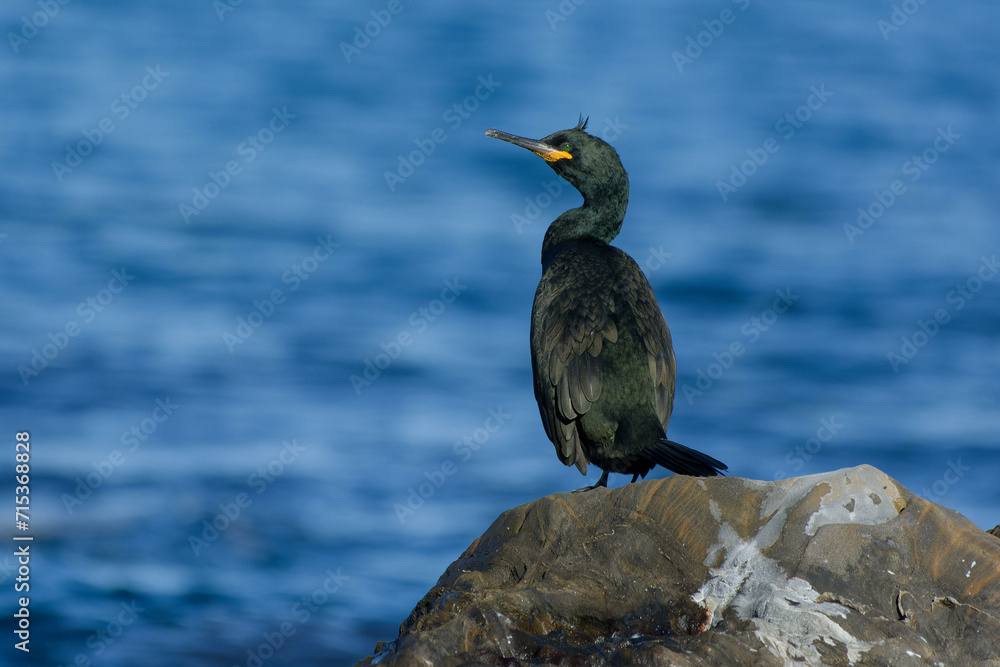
(740, 560)
(784, 610)
(863, 495)
(713, 507)
(868, 499)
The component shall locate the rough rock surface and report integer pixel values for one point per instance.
(846, 567)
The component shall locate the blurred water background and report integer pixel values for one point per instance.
(214, 214)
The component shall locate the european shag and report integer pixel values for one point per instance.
(601, 353)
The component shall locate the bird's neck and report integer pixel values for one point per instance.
(599, 219)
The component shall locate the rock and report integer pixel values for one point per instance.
(846, 567)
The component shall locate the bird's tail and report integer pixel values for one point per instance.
(684, 460)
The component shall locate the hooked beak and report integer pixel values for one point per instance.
(537, 147)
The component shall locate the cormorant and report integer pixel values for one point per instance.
(601, 354)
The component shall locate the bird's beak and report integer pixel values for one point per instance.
(539, 148)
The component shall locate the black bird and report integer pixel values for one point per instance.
(601, 353)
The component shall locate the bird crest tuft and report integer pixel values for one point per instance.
(582, 125)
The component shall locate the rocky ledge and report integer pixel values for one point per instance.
(846, 567)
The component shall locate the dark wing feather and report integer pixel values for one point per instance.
(570, 322)
(659, 347)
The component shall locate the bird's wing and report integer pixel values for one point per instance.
(570, 325)
(659, 347)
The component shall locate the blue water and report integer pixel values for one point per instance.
(213, 374)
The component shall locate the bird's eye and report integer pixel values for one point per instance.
(566, 147)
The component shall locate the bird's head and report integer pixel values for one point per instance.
(590, 164)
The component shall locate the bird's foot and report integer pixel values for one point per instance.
(603, 481)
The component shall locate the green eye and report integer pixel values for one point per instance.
(566, 147)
